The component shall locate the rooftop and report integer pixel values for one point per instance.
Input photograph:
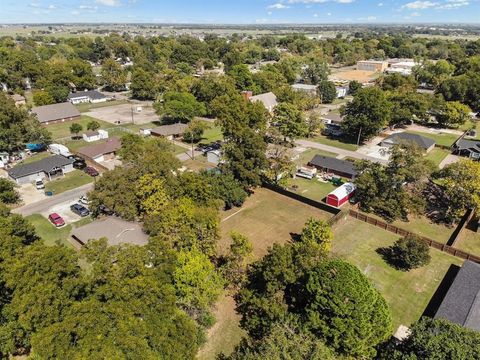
(168, 130)
(422, 141)
(55, 112)
(334, 164)
(105, 147)
(115, 230)
(461, 304)
(44, 165)
(92, 94)
(464, 144)
(269, 99)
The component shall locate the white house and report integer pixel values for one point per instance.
(91, 136)
(87, 96)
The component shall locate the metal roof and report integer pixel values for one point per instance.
(343, 191)
(461, 304)
(422, 141)
(334, 164)
(55, 112)
(92, 94)
(44, 165)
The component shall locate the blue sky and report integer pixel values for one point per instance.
(240, 11)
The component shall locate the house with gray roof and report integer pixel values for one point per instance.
(169, 131)
(269, 100)
(461, 304)
(115, 230)
(55, 113)
(468, 148)
(339, 167)
(423, 142)
(50, 167)
(87, 96)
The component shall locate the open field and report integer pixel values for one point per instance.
(267, 218)
(445, 139)
(437, 155)
(353, 74)
(85, 107)
(52, 235)
(322, 139)
(70, 181)
(312, 189)
(407, 293)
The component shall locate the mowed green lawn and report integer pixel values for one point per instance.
(62, 130)
(312, 189)
(267, 218)
(469, 241)
(52, 235)
(407, 293)
(70, 181)
(307, 155)
(445, 139)
(322, 139)
(437, 155)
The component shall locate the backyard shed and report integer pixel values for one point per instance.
(341, 195)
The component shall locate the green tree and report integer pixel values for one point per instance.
(316, 71)
(243, 77)
(280, 165)
(152, 194)
(195, 131)
(75, 129)
(344, 308)
(353, 87)
(93, 125)
(290, 121)
(42, 97)
(234, 266)
(409, 252)
(113, 75)
(327, 91)
(180, 106)
(367, 114)
(318, 232)
(314, 124)
(454, 114)
(8, 193)
(144, 86)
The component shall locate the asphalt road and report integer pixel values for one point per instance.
(43, 205)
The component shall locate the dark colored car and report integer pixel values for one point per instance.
(79, 164)
(105, 210)
(56, 219)
(91, 171)
(80, 210)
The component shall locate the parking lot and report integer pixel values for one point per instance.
(141, 113)
(64, 211)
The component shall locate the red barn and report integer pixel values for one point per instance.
(341, 195)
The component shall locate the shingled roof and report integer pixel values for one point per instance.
(55, 112)
(341, 166)
(106, 147)
(461, 305)
(168, 130)
(92, 94)
(44, 165)
(422, 141)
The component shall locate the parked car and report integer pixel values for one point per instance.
(79, 164)
(39, 184)
(91, 171)
(56, 219)
(84, 200)
(80, 210)
(105, 210)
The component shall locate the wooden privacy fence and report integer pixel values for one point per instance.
(432, 243)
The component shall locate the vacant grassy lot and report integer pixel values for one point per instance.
(62, 130)
(52, 235)
(87, 106)
(70, 181)
(322, 139)
(267, 218)
(437, 155)
(407, 293)
(308, 155)
(440, 138)
(312, 189)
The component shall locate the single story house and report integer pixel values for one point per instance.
(332, 118)
(103, 151)
(306, 88)
(169, 131)
(54, 113)
(341, 195)
(115, 230)
(269, 100)
(423, 142)
(461, 304)
(339, 167)
(45, 168)
(91, 136)
(19, 100)
(468, 148)
(87, 96)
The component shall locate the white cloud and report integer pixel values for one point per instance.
(319, 1)
(415, 14)
(51, 7)
(108, 2)
(278, 6)
(453, 4)
(368, 18)
(419, 5)
(315, 15)
(380, 4)
(329, 14)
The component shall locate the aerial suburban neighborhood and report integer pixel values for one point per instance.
(238, 192)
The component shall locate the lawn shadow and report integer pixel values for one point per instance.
(441, 291)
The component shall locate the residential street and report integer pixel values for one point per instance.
(345, 153)
(44, 205)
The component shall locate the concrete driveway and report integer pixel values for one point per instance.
(64, 211)
(30, 194)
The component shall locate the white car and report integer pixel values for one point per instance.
(84, 200)
(39, 184)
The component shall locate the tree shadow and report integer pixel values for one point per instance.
(388, 255)
(295, 237)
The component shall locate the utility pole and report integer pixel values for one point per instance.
(133, 121)
(359, 134)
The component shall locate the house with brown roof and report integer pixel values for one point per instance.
(103, 151)
(55, 113)
(169, 131)
(19, 100)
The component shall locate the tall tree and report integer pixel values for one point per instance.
(113, 75)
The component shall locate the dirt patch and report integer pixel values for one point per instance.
(125, 114)
(361, 76)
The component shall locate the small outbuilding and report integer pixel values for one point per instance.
(91, 136)
(423, 142)
(341, 195)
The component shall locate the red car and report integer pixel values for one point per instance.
(91, 171)
(56, 219)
